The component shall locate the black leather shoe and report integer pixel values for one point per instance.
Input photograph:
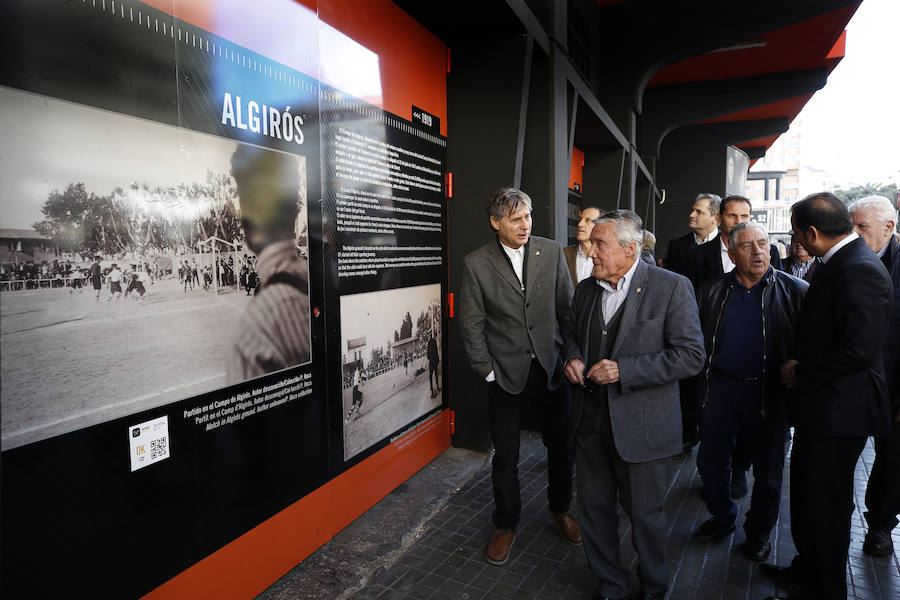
(757, 549)
(878, 543)
(785, 575)
(713, 530)
(738, 484)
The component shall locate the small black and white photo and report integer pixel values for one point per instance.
(140, 264)
(391, 362)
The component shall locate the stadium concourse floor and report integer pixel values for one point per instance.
(425, 541)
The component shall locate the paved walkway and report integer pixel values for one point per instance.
(444, 559)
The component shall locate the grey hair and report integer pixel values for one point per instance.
(737, 229)
(649, 238)
(506, 201)
(884, 210)
(627, 225)
(714, 201)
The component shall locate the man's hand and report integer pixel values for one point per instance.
(573, 371)
(786, 374)
(604, 372)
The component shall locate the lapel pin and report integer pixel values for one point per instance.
(637, 291)
(537, 252)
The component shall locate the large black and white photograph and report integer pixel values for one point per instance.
(134, 263)
(391, 362)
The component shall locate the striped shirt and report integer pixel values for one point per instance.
(274, 331)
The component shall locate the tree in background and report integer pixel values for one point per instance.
(141, 218)
(406, 327)
(423, 326)
(82, 222)
(850, 195)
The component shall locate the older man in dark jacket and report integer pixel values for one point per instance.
(875, 220)
(748, 318)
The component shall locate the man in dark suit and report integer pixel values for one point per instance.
(875, 219)
(514, 309)
(580, 265)
(704, 227)
(704, 224)
(635, 333)
(840, 392)
(711, 259)
(433, 361)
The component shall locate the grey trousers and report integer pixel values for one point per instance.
(602, 478)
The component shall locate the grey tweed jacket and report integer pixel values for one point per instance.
(659, 342)
(501, 324)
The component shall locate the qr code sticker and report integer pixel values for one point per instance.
(158, 447)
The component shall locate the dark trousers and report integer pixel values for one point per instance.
(604, 478)
(733, 414)
(883, 492)
(822, 470)
(690, 434)
(433, 380)
(507, 413)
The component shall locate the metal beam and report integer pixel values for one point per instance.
(755, 152)
(671, 106)
(736, 132)
(559, 172)
(532, 25)
(591, 100)
(573, 118)
(523, 112)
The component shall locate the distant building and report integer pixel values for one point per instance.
(19, 246)
(356, 349)
(773, 183)
(406, 346)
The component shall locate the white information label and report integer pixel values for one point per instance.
(149, 442)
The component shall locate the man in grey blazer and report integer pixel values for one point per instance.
(635, 333)
(514, 309)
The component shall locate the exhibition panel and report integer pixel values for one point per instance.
(223, 337)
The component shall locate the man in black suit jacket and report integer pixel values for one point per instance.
(704, 224)
(841, 395)
(875, 219)
(711, 259)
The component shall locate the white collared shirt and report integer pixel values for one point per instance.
(884, 248)
(584, 266)
(613, 298)
(831, 252)
(727, 265)
(517, 258)
(710, 236)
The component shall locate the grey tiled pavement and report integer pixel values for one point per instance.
(446, 561)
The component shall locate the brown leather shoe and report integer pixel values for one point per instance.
(497, 552)
(568, 527)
